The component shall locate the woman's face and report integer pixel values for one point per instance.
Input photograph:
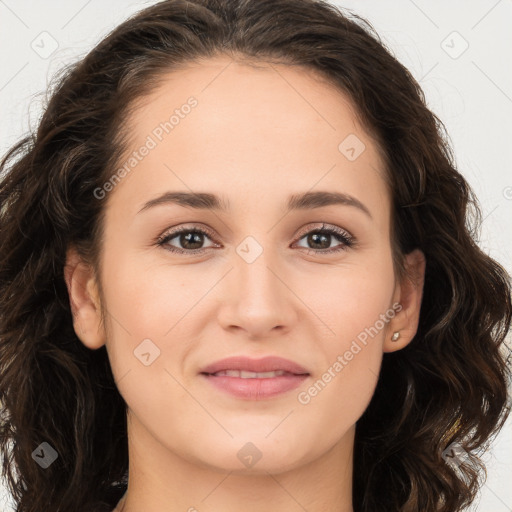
(258, 140)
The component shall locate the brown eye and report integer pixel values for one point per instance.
(191, 240)
(320, 240)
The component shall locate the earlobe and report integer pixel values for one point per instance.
(84, 300)
(409, 293)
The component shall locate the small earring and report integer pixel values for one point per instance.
(395, 336)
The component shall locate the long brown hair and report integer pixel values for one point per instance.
(447, 390)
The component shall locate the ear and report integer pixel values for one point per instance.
(408, 293)
(84, 300)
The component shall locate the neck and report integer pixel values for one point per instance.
(162, 481)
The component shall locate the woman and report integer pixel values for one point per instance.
(238, 272)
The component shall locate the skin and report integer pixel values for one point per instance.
(255, 137)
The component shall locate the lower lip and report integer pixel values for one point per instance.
(256, 389)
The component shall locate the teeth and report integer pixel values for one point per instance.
(249, 375)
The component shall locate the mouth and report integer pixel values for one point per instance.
(251, 379)
(248, 367)
(243, 374)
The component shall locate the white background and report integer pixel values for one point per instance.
(470, 90)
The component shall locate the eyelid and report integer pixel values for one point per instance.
(324, 226)
(173, 232)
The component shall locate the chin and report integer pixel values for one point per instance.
(254, 454)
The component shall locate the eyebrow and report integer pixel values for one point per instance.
(207, 201)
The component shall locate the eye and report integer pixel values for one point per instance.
(189, 238)
(322, 238)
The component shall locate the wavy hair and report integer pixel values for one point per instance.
(447, 389)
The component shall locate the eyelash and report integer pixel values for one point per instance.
(340, 234)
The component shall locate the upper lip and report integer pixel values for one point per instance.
(265, 364)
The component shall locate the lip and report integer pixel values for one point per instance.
(255, 388)
(265, 364)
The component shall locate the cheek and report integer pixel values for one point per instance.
(144, 306)
(148, 299)
(149, 307)
(349, 299)
(356, 305)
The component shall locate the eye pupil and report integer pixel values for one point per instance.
(192, 237)
(315, 239)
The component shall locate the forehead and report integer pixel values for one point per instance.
(265, 129)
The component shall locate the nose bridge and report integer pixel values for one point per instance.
(259, 299)
(255, 268)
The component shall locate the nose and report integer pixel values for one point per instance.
(258, 300)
